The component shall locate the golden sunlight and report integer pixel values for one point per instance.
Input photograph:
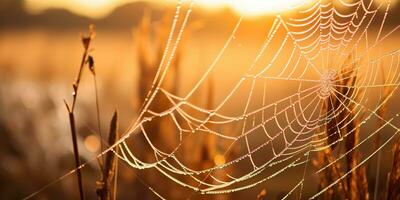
(255, 7)
(100, 8)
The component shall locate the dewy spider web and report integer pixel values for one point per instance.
(307, 49)
(323, 37)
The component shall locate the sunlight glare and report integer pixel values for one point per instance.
(255, 7)
(95, 3)
(101, 8)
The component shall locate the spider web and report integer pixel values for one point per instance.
(272, 132)
(322, 37)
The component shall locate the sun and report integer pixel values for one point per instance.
(95, 3)
(256, 7)
(99, 7)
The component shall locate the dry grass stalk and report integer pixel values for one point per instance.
(86, 41)
(150, 47)
(345, 82)
(149, 55)
(393, 186)
(393, 191)
(329, 175)
(326, 157)
(381, 113)
(383, 105)
(92, 69)
(76, 152)
(149, 61)
(356, 185)
(332, 130)
(357, 181)
(105, 185)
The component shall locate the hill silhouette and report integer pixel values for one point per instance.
(13, 15)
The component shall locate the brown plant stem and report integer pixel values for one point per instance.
(76, 152)
(104, 186)
(86, 44)
(90, 61)
(393, 190)
(357, 182)
(381, 113)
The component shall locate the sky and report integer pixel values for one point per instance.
(100, 8)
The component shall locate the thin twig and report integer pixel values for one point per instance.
(76, 154)
(86, 40)
(92, 69)
(86, 44)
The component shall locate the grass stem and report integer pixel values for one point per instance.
(86, 44)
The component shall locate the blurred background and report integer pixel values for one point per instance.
(40, 52)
